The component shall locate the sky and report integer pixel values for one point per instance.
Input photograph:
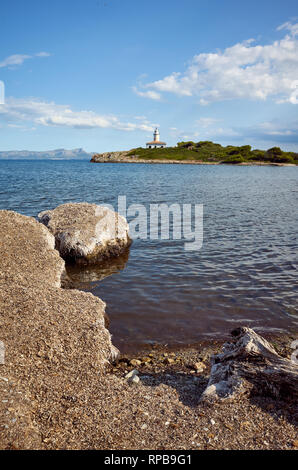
(101, 74)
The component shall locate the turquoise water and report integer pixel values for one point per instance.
(245, 273)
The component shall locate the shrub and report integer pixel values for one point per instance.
(234, 159)
(185, 144)
(275, 151)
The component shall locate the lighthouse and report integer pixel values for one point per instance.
(156, 143)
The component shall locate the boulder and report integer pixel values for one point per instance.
(86, 233)
(54, 340)
(27, 255)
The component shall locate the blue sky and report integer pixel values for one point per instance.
(100, 74)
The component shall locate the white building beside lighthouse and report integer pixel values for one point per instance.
(156, 143)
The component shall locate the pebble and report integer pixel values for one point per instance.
(212, 421)
(199, 366)
(168, 360)
(135, 362)
(132, 374)
(144, 426)
(135, 379)
(146, 359)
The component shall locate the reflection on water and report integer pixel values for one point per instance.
(246, 272)
(83, 276)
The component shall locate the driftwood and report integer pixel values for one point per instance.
(250, 365)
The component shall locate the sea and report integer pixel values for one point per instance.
(158, 292)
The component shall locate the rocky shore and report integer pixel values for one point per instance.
(62, 385)
(126, 157)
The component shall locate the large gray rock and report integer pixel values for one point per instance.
(86, 233)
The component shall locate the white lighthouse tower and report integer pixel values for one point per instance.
(156, 143)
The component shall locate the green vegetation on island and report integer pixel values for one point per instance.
(207, 151)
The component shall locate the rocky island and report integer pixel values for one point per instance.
(201, 153)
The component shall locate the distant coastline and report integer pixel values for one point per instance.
(57, 154)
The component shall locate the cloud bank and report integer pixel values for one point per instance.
(51, 114)
(243, 71)
(19, 59)
(205, 128)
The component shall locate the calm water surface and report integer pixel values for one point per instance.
(246, 272)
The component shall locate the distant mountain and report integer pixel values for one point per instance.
(59, 154)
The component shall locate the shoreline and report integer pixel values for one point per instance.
(82, 395)
(142, 349)
(188, 162)
(281, 342)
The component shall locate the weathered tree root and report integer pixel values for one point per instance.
(251, 366)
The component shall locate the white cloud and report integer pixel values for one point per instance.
(19, 59)
(42, 54)
(153, 95)
(51, 114)
(243, 71)
(275, 130)
(205, 122)
(16, 59)
(293, 28)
